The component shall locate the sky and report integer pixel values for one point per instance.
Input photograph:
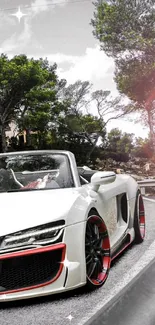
(60, 30)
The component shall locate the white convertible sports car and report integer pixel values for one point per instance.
(62, 225)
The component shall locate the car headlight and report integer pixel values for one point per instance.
(35, 236)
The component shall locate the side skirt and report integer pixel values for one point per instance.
(125, 243)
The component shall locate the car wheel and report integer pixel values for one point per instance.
(97, 252)
(139, 219)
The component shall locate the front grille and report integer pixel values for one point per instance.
(29, 270)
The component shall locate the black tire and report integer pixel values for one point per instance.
(97, 251)
(139, 219)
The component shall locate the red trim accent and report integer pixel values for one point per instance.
(141, 217)
(36, 251)
(32, 251)
(121, 251)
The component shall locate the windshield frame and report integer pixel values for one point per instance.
(72, 168)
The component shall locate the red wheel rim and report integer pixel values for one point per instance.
(141, 216)
(97, 247)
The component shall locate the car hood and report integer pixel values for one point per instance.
(22, 210)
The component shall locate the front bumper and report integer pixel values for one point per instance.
(34, 268)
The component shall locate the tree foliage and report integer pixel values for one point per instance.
(135, 76)
(142, 148)
(26, 85)
(119, 145)
(79, 127)
(124, 25)
(126, 31)
(80, 123)
(72, 117)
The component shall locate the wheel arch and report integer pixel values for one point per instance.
(93, 210)
(139, 219)
(132, 188)
(132, 191)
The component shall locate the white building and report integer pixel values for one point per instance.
(12, 130)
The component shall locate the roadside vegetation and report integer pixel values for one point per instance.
(49, 114)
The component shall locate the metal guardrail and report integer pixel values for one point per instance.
(146, 183)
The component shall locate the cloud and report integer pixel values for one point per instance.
(61, 58)
(6, 20)
(9, 44)
(129, 127)
(25, 36)
(17, 41)
(39, 6)
(61, 3)
(94, 65)
(20, 40)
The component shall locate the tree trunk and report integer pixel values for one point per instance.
(3, 145)
(28, 137)
(40, 138)
(151, 127)
(93, 148)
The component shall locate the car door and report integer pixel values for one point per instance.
(112, 205)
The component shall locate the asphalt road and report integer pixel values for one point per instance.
(54, 310)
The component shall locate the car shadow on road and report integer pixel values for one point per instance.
(46, 299)
(41, 300)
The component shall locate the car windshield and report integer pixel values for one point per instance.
(22, 172)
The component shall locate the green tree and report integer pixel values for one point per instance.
(79, 124)
(142, 148)
(135, 77)
(129, 38)
(124, 25)
(82, 101)
(119, 145)
(80, 135)
(41, 108)
(18, 77)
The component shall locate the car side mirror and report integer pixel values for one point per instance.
(102, 178)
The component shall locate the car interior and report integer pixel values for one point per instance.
(85, 175)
